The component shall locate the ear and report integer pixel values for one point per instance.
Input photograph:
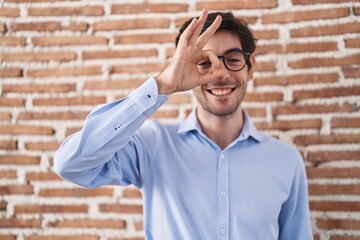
(252, 61)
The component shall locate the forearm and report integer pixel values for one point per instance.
(82, 156)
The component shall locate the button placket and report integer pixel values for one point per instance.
(223, 201)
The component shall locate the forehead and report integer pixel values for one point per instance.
(222, 41)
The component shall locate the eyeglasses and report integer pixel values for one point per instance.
(234, 60)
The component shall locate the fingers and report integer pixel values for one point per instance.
(210, 31)
(188, 32)
(198, 28)
(213, 58)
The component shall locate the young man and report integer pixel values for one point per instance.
(212, 176)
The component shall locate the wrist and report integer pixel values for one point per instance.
(163, 89)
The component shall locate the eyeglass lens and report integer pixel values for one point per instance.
(234, 61)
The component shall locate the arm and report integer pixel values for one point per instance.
(90, 158)
(294, 219)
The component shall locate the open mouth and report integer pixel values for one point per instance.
(221, 91)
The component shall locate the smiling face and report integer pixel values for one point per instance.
(223, 96)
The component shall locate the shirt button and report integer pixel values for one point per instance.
(223, 193)
(119, 126)
(222, 231)
(222, 156)
(151, 99)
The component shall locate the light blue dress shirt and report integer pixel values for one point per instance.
(254, 189)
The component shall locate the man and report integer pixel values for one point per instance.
(212, 176)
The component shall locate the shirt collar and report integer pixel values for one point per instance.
(191, 124)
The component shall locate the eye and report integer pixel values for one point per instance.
(204, 64)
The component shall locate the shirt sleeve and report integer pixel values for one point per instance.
(107, 150)
(294, 219)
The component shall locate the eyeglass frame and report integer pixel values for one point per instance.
(245, 54)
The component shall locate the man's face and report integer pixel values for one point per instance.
(223, 96)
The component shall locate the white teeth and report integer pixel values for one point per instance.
(220, 92)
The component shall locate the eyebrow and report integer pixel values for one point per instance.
(233, 50)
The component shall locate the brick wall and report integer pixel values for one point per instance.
(59, 59)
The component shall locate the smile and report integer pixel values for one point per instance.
(221, 92)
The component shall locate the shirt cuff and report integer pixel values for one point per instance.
(146, 97)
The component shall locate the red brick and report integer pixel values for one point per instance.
(38, 56)
(8, 174)
(71, 71)
(16, 190)
(352, 43)
(306, 140)
(19, 159)
(325, 62)
(67, 115)
(179, 98)
(38, 88)
(89, 223)
(7, 237)
(344, 224)
(3, 206)
(45, 208)
(5, 116)
(119, 54)
(348, 206)
(11, 72)
(294, 16)
(14, 223)
(326, 93)
(69, 101)
(131, 24)
(345, 122)
(41, 176)
(148, 8)
(266, 34)
(269, 48)
(303, 2)
(351, 27)
(264, 67)
(76, 192)
(26, 129)
(325, 156)
(3, 28)
(344, 237)
(289, 125)
(145, 38)
(263, 97)
(255, 111)
(9, 12)
(36, 26)
(62, 237)
(12, 102)
(351, 71)
(313, 108)
(8, 144)
(334, 189)
(72, 130)
(165, 114)
(325, 172)
(311, 47)
(42, 146)
(138, 68)
(113, 84)
(356, 11)
(66, 41)
(243, 4)
(76, 26)
(12, 41)
(67, 11)
(120, 208)
(297, 79)
(132, 193)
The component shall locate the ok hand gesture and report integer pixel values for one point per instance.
(182, 73)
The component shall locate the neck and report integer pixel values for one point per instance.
(221, 129)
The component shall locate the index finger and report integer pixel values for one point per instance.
(204, 38)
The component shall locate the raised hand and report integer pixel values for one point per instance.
(182, 73)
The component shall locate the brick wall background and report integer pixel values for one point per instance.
(59, 59)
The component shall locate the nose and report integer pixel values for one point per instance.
(225, 70)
